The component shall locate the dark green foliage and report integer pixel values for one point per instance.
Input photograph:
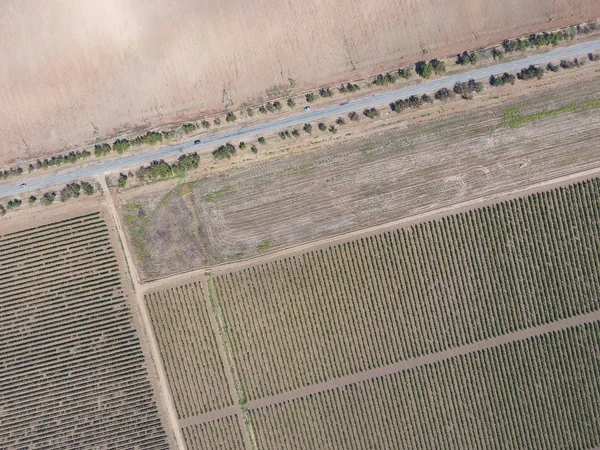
(295, 133)
(310, 97)
(514, 45)
(13, 171)
(150, 138)
(70, 157)
(291, 103)
(424, 69)
(70, 191)
(88, 189)
(443, 94)
(231, 117)
(552, 67)
(322, 126)
(439, 67)
(262, 140)
(565, 64)
(2, 210)
(325, 92)
(405, 73)
(307, 128)
(349, 88)
(158, 170)
(594, 56)
(31, 168)
(282, 135)
(353, 116)
(277, 106)
(371, 113)
(189, 127)
(262, 109)
(32, 199)
(500, 80)
(254, 149)
(205, 124)
(332, 129)
(465, 58)
(250, 112)
(122, 180)
(466, 88)
(224, 151)
(217, 121)
(121, 145)
(340, 121)
(48, 198)
(383, 80)
(531, 72)
(15, 203)
(414, 101)
(497, 54)
(537, 40)
(101, 149)
(427, 98)
(242, 145)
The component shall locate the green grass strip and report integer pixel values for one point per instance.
(512, 117)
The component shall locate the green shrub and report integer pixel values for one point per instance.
(466, 88)
(465, 58)
(217, 121)
(224, 151)
(530, 73)
(101, 149)
(262, 140)
(349, 88)
(424, 69)
(353, 116)
(2, 210)
(371, 113)
(322, 126)
(439, 67)
(189, 127)
(443, 94)
(594, 56)
(231, 117)
(158, 170)
(291, 103)
(122, 181)
(32, 199)
(565, 64)
(340, 121)
(282, 135)
(15, 203)
(121, 146)
(325, 92)
(254, 149)
(242, 145)
(383, 80)
(497, 54)
(150, 138)
(70, 191)
(405, 73)
(515, 45)
(310, 97)
(295, 133)
(500, 80)
(205, 124)
(332, 129)
(48, 198)
(552, 67)
(277, 106)
(88, 189)
(250, 112)
(262, 109)
(427, 98)
(307, 128)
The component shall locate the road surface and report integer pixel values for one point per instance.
(208, 144)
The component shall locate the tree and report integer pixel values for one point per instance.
(443, 94)
(224, 151)
(253, 149)
(282, 135)
(277, 106)
(101, 149)
(295, 133)
(349, 88)
(188, 128)
(262, 140)
(205, 124)
(552, 67)
(499, 80)
(427, 98)
(291, 103)
(231, 117)
(332, 129)
(122, 181)
(121, 145)
(32, 199)
(48, 198)
(242, 145)
(424, 69)
(405, 73)
(262, 109)
(307, 128)
(530, 73)
(322, 126)
(497, 54)
(340, 121)
(217, 121)
(2, 210)
(249, 111)
(310, 97)
(439, 67)
(465, 58)
(88, 189)
(383, 80)
(325, 92)
(15, 203)
(353, 116)
(594, 56)
(466, 88)
(371, 113)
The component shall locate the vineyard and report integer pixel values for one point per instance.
(188, 349)
(539, 393)
(72, 371)
(223, 434)
(416, 291)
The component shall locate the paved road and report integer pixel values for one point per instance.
(209, 143)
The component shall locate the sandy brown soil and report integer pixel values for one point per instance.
(74, 72)
(341, 188)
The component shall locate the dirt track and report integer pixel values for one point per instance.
(74, 72)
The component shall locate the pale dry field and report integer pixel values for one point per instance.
(345, 187)
(73, 72)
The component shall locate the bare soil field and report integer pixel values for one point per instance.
(75, 72)
(397, 170)
(75, 369)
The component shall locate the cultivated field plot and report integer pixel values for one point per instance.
(371, 302)
(303, 197)
(95, 69)
(540, 393)
(188, 349)
(72, 372)
(223, 434)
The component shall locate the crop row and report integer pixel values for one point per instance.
(222, 434)
(540, 393)
(431, 287)
(188, 349)
(73, 371)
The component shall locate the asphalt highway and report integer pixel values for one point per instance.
(209, 143)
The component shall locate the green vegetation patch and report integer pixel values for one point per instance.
(513, 118)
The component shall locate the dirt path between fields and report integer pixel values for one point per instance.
(150, 338)
(424, 360)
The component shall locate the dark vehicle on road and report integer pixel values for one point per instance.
(197, 141)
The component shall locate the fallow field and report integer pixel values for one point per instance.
(77, 72)
(476, 330)
(72, 370)
(400, 169)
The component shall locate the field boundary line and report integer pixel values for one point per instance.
(228, 363)
(423, 360)
(210, 416)
(145, 317)
(479, 202)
